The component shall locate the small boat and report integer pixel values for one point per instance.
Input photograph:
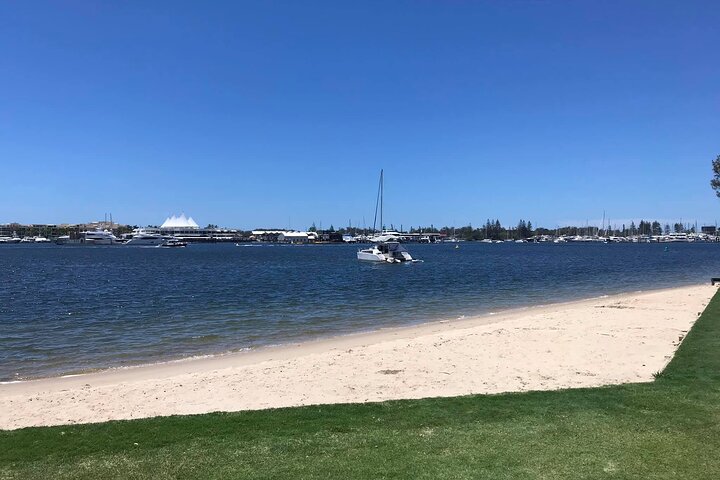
(173, 243)
(390, 252)
(62, 239)
(387, 247)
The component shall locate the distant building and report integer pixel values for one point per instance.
(8, 229)
(335, 237)
(297, 237)
(35, 229)
(185, 228)
(709, 229)
(266, 235)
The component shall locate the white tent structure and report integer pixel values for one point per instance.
(187, 229)
(179, 222)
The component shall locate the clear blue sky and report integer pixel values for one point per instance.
(250, 114)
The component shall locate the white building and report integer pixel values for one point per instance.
(187, 229)
(297, 237)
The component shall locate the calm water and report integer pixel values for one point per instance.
(71, 309)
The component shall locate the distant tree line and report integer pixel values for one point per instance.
(494, 230)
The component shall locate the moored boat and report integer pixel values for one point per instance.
(13, 239)
(387, 247)
(173, 243)
(143, 238)
(390, 252)
(98, 237)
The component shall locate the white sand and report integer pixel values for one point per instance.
(617, 339)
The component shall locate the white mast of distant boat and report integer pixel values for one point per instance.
(379, 201)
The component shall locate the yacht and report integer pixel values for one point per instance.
(62, 239)
(675, 238)
(141, 237)
(387, 247)
(99, 237)
(390, 252)
(386, 236)
(174, 243)
(12, 239)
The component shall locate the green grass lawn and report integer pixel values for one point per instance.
(666, 429)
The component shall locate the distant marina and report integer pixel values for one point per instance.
(182, 229)
(153, 236)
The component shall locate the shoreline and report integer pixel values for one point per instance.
(598, 341)
(333, 338)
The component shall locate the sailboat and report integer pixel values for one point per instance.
(387, 247)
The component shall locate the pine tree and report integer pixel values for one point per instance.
(715, 182)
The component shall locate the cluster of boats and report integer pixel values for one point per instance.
(387, 246)
(667, 238)
(138, 238)
(403, 237)
(16, 239)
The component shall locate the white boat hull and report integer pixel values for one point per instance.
(99, 241)
(381, 253)
(145, 242)
(371, 257)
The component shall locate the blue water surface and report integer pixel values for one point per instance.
(71, 309)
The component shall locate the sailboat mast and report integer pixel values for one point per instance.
(382, 188)
(377, 203)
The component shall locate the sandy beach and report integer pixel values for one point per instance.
(602, 341)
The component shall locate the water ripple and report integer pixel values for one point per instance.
(65, 309)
